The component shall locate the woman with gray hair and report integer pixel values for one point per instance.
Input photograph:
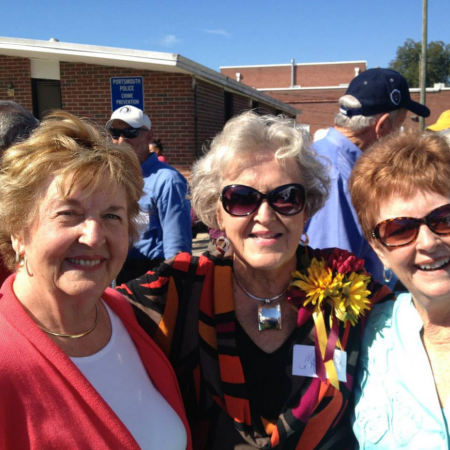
(252, 335)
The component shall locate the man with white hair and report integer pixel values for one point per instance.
(166, 211)
(374, 105)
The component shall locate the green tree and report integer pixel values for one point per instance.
(438, 62)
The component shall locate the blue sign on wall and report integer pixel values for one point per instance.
(127, 91)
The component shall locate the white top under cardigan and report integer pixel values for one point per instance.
(118, 375)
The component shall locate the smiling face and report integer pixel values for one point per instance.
(75, 246)
(424, 265)
(264, 240)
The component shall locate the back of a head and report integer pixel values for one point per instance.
(73, 149)
(373, 92)
(16, 123)
(400, 164)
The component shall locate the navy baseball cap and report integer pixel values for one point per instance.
(381, 91)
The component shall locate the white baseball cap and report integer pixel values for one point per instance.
(131, 115)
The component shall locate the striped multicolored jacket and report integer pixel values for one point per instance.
(187, 307)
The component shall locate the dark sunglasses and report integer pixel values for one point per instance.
(240, 200)
(404, 230)
(127, 133)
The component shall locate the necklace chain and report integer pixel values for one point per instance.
(266, 300)
(74, 336)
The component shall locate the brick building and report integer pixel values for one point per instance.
(316, 87)
(187, 102)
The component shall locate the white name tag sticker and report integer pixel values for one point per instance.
(304, 362)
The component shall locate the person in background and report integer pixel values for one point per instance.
(77, 371)
(373, 106)
(16, 123)
(165, 219)
(442, 125)
(157, 147)
(400, 189)
(241, 325)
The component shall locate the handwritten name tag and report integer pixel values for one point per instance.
(304, 362)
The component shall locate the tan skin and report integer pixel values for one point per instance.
(264, 248)
(430, 289)
(61, 283)
(139, 144)
(436, 339)
(363, 139)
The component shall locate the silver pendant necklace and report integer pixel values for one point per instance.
(269, 316)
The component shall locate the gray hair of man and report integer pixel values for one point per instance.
(358, 122)
(246, 139)
(16, 123)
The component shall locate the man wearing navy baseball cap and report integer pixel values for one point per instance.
(374, 105)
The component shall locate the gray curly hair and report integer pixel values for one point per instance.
(246, 137)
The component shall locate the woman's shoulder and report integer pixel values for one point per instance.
(184, 268)
(384, 315)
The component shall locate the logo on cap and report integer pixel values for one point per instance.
(396, 97)
(125, 109)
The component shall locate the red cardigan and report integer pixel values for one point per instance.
(46, 402)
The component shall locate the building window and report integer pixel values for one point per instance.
(46, 96)
(228, 103)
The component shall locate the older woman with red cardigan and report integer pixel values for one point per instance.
(76, 369)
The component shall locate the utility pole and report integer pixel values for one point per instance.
(423, 60)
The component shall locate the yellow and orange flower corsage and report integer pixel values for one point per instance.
(333, 282)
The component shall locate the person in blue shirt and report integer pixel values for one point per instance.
(402, 385)
(165, 209)
(374, 105)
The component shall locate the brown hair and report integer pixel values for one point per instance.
(74, 149)
(399, 164)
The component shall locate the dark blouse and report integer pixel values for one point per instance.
(236, 395)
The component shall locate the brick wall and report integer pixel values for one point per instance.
(436, 101)
(186, 114)
(210, 104)
(305, 75)
(168, 99)
(17, 71)
(310, 75)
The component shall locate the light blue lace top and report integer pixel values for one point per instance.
(396, 403)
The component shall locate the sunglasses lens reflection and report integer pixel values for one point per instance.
(127, 133)
(439, 220)
(287, 200)
(404, 230)
(399, 231)
(239, 200)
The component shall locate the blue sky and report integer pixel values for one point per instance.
(231, 32)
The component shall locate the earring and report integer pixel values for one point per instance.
(19, 260)
(25, 263)
(387, 275)
(222, 244)
(304, 240)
